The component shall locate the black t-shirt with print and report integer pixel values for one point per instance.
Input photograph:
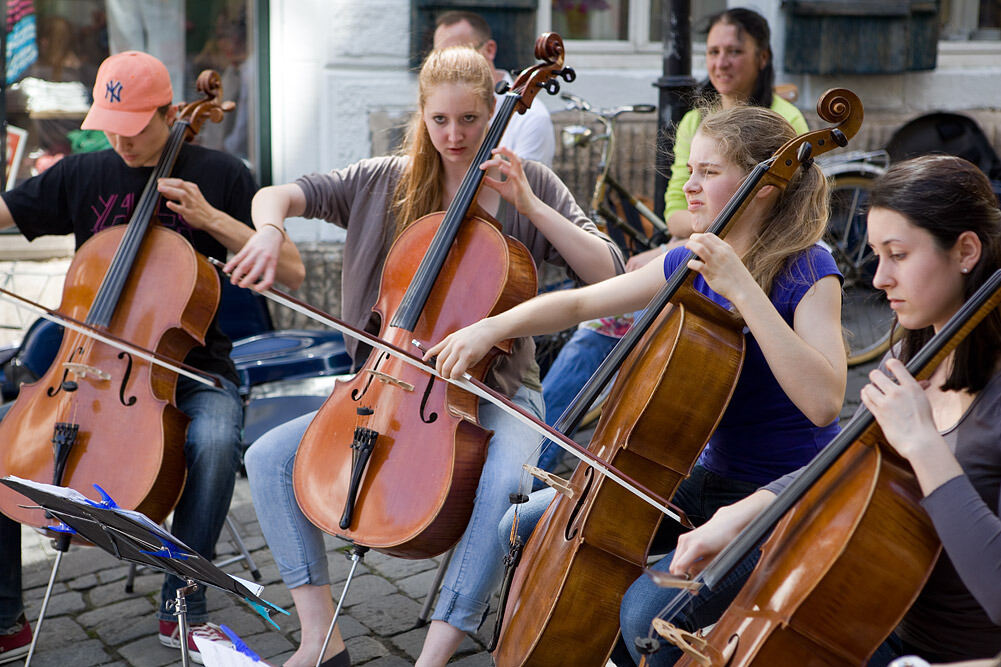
(86, 193)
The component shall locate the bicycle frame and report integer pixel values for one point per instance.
(605, 183)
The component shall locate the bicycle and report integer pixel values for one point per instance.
(865, 313)
(629, 221)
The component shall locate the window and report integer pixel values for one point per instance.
(60, 44)
(634, 22)
(970, 20)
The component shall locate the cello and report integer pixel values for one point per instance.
(852, 542)
(592, 542)
(392, 459)
(99, 407)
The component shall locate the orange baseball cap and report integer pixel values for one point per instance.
(130, 87)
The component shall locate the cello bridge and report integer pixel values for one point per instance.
(83, 370)
(693, 645)
(389, 379)
(555, 481)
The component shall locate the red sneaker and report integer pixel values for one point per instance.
(15, 642)
(170, 636)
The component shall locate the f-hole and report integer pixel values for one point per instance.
(357, 395)
(127, 402)
(730, 650)
(428, 418)
(570, 531)
(52, 391)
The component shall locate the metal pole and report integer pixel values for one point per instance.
(675, 87)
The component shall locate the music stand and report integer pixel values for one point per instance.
(132, 536)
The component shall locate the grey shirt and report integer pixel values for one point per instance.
(358, 198)
(957, 615)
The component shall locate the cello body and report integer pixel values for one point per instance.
(131, 437)
(587, 549)
(858, 545)
(416, 495)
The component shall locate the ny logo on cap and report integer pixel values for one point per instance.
(113, 91)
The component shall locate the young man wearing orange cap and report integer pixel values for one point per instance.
(207, 200)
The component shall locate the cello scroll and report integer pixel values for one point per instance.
(211, 107)
(543, 76)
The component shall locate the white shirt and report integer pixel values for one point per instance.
(530, 135)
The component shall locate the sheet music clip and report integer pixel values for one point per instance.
(61, 528)
(239, 645)
(168, 550)
(105, 502)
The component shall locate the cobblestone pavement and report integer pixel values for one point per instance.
(91, 620)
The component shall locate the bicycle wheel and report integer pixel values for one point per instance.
(865, 313)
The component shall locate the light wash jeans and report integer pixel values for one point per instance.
(212, 456)
(572, 368)
(477, 562)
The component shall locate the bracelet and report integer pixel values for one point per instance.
(280, 230)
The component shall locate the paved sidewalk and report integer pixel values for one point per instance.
(91, 620)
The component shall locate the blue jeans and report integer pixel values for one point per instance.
(576, 362)
(644, 600)
(296, 544)
(11, 603)
(212, 457)
(477, 562)
(700, 495)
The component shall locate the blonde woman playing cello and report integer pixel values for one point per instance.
(374, 199)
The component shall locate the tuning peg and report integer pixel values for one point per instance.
(803, 155)
(551, 86)
(568, 74)
(502, 87)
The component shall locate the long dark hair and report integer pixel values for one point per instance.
(946, 196)
(754, 24)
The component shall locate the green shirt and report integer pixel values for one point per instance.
(674, 198)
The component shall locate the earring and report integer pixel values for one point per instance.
(965, 270)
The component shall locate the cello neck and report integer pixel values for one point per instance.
(110, 291)
(420, 288)
(861, 427)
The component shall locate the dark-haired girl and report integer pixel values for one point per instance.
(935, 226)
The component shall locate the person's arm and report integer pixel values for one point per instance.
(808, 359)
(6, 219)
(256, 263)
(697, 548)
(547, 313)
(186, 199)
(586, 254)
(676, 215)
(970, 531)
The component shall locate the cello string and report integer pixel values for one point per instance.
(91, 335)
(475, 388)
(430, 266)
(118, 271)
